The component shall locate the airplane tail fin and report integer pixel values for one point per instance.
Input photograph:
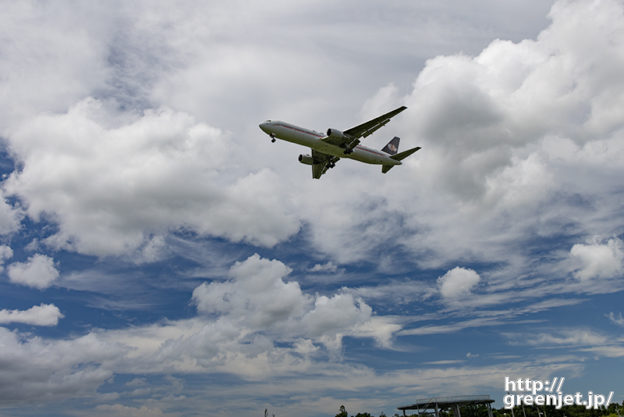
(399, 157)
(392, 147)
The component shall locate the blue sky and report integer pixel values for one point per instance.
(161, 257)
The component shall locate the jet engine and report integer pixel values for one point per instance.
(306, 159)
(335, 133)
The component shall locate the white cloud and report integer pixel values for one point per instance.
(41, 315)
(516, 142)
(38, 272)
(52, 369)
(596, 260)
(57, 369)
(616, 319)
(254, 325)
(583, 340)
(116, 188)
(396, 292)
(511, 151)
(458, 282)
(256, 294)
(490, 154)
(10, 217)
(51, 58)
(257, 298)
(125, 411)
(334, 316)
(326, 267)
(575, 337)
(5, 253)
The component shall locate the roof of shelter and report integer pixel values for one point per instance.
(444, 402)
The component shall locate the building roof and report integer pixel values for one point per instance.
(444, 402)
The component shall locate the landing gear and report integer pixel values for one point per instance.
(272, 140)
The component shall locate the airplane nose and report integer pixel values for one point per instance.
(263, 127)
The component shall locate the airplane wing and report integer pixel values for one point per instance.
(352, 136)
(322, 162)
(366, 129)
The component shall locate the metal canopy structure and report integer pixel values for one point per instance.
(426, 405)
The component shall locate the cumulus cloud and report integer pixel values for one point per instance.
(41, 315)
(596, 260)
(115, 187)
(518, 141)
(457, 282)
(256, 294)
(257, 297)
(52, 369)
(516, 147)
(37, 272)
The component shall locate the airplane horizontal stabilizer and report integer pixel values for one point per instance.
(402, 155)
(399, 157)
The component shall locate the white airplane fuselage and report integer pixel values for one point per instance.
(312, 139)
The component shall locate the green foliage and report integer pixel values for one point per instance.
(342, 412)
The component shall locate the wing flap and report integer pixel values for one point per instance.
(322, 162)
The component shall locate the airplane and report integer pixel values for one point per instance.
(328, 149)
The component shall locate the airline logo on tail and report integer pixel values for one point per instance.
(393, 146)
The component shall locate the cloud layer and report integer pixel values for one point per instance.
(516, 132)
(253, 325)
